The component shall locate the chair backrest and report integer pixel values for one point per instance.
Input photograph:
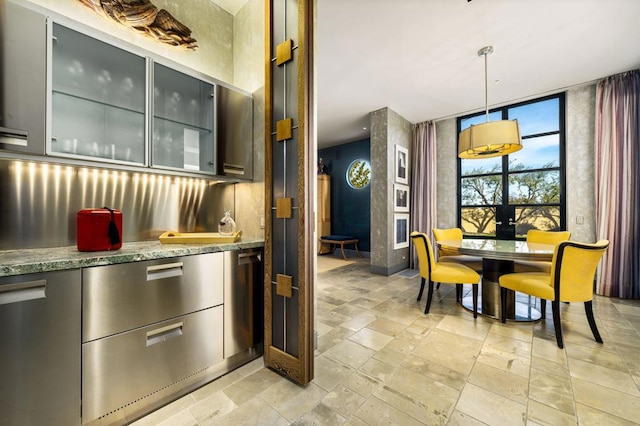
(574, 267)
(447, 234)
(547, 237)
(426, 260)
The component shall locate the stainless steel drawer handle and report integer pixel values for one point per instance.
(168, 270)
(250, 257)
(13, 137)
(235, 169)
(163, 334)
(22, 292)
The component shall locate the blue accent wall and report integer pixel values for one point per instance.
(350, 208)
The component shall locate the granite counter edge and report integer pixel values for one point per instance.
(32, 261)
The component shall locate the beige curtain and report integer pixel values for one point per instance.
(423, 181)
(618, 183)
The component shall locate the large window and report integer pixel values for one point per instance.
(507, 196)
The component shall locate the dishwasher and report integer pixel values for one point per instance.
(243, 302)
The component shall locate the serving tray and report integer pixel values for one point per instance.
(173, 237)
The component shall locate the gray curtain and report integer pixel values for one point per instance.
(618, 183)
(423, 181)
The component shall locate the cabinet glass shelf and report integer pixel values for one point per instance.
(181, 146)
(94, 129)
(181, 123)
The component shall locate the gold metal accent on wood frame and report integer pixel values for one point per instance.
(284, 52)
(284, 208)
(284, 283)
(284, 129)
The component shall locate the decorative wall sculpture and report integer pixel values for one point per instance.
(143, 16)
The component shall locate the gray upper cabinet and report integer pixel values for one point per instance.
(97, 99)
(70, 91)
(183, 121)
(22, 79)
(235, 133)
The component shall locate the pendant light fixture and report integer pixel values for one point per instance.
(492, 138)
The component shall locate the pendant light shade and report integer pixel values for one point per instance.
(490, 139)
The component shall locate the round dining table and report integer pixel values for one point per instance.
(498, 257)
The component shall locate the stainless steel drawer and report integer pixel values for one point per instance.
(117, 298)
(130, 368)
(40, 349)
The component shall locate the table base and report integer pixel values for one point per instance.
(518, 308)
(523, 311)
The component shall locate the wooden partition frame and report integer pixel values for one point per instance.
(290, 173)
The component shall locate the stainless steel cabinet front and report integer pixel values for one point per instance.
(22, 78)
(40, 349)
(243, 301)
(128, 371)
(235, 133)
(117, 298)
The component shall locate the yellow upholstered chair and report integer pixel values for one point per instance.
(543, 237)
(455, 234)
(573, 268)
(442, 272)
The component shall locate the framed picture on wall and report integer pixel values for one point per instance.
(400, 231)
(402, 162)
(400, 197)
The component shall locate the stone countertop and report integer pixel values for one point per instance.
(29, 261)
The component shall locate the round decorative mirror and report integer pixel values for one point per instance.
(359, 174)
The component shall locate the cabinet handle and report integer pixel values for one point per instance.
(168, 270)
(233, 169)
(163, 334)
(22, 292)
(499, 223)
(14, 137)
(250, 257)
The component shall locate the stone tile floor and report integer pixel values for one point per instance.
(380, 360)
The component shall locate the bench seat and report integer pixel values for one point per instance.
(340, 240)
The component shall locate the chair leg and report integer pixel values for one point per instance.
(588, 308)
(543, 308)
(429, 297)
(421, 289)
(503, 304)
(475, 300)
(555, 307)
(438, 286)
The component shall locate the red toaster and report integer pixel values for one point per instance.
(99, 229)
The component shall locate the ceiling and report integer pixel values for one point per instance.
(419, 57)
(231, 6)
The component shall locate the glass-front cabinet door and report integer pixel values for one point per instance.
(183, 121)
(98, 99)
